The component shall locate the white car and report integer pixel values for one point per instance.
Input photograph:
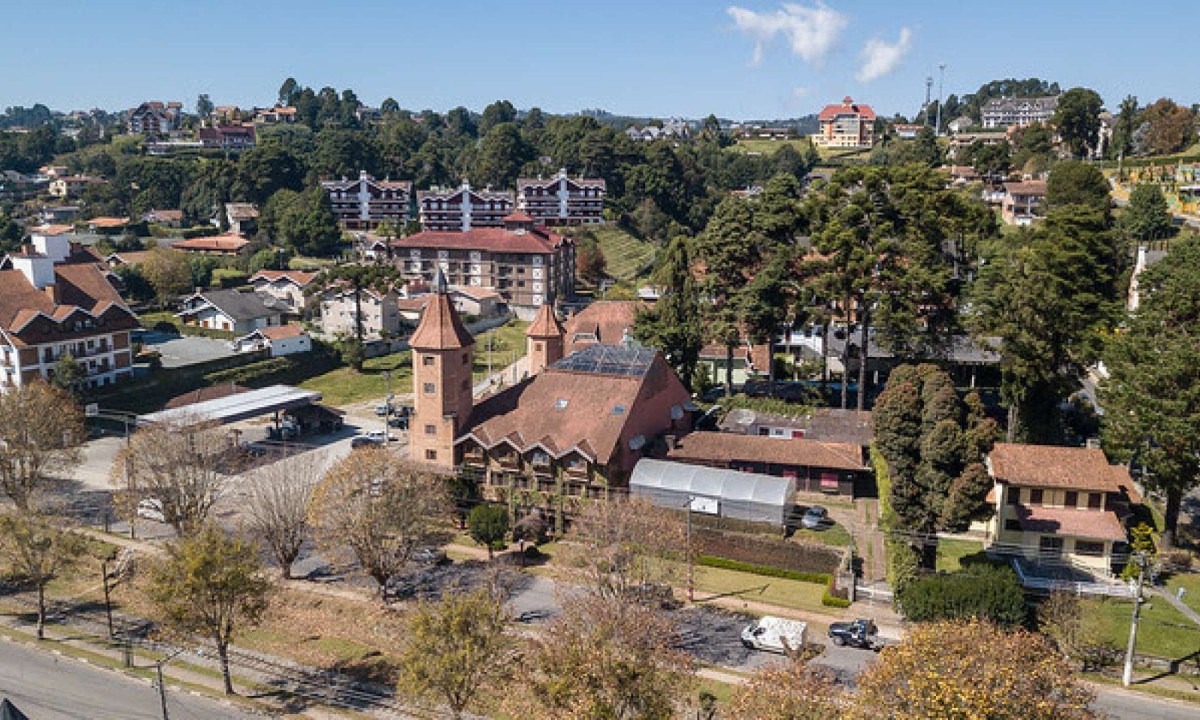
(151, 509)
(380, 436)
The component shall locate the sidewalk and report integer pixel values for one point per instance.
(1178, 604)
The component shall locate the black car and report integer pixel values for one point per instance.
(860, 633)
(362, 441)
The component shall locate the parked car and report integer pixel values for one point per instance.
(815, 518)
(774, 634)
(383, 409)
(151, 509)
(363, 441)
(430, 556)
(380, 436)
(400, 422)
(860, 633)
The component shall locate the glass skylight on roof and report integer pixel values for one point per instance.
(618, 410)
(609, 360)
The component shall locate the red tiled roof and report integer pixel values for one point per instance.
(708, 447)
(300, 278)
(134, 257)
(441, 328)
(52, 230)
(219, 243)
(1028, 187)
(412, 304)
(108, 222)
(545, 324)
(282, 332)
(1099, 524)
(604, 321)
(492, 239)
(847, 106)
(1050, 466)
(81, 287)
(518, 217)
(564, 410)
(476, 292)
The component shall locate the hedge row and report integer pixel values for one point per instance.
(727, 564)
(766, 551)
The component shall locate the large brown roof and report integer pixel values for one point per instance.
(568, 410)
(534, 241)
(1102, 525)
(1051, 466)
(545, 324)
(81, 287)
(441, 328)
(847, 107)
(604, 321)
(218, 243)
(707, 447)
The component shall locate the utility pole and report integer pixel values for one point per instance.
(1127, 675)
(387, 403)
(691, 585)
(162, 686)
(928, 93)
(937, 128)
(107, 601)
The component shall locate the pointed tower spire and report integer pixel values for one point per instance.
(545, 340)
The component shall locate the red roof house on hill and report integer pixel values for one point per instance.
(848, 125)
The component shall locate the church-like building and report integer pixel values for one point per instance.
(573, 428)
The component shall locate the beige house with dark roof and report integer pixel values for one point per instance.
(1058, 505)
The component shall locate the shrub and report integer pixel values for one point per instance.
(251, 372)
(983, 591)
(727, 564)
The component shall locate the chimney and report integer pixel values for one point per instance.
(53, 293)
(38, 269)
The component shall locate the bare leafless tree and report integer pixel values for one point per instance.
(41, 428)
(278, 508)
(623, 545)
(379, 509)
(183, 464)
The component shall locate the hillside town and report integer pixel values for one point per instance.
(311, 407)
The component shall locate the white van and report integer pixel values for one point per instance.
(774, 634)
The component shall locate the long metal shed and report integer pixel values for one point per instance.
(715, 491)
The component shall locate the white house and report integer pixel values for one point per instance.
(280, 340)
(286, 286)
(231, 310)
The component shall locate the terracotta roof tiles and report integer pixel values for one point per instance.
(707, 447)
(1050, 466)
(441, 328)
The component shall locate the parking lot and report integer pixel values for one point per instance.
(181, 351)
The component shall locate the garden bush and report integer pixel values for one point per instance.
(982, 591)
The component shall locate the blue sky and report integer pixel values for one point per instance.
(741, 59)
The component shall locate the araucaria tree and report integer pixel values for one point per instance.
(934, 445)
(1152, 394)
(970, 669)
(380, 510)
(182, 464)
(40, 432)
(602, 659)
(457, 650)
(675, 322)
(279, 498)
(35, 552)
(210, 584)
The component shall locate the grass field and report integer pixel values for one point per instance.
(345, 385)
(1191, 589)
(766, 147)
(627, 257)
(757, 588)
(835, 535)
(507, 344)
(1163, 630)
(951, 552)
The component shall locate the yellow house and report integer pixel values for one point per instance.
(1060, 508)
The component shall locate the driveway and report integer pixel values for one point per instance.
(181, 351)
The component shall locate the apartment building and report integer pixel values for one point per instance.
(340, 311)
(527, 264)
(464, 209)
(234, 138)
(562, 200)
(57, 300)
(1022, 202)
(848, 125)
(155, 119)
(1007, 112)
(364, 203)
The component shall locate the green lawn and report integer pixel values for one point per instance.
(345, 386)
(951, 552)
(834, 535)
(1163, 630)
(507, 343)
(627, 257)
(1190, 583)
(758, 588)
(766, 147)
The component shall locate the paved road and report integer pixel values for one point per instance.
(46, 686)
(1120, 704)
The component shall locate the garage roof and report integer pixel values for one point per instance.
(703, 481)
(241, 406)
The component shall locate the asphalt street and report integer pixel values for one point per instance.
(46, 686)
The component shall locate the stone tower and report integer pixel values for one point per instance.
(442, 397)
(544, 340)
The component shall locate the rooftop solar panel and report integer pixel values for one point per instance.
(603, 359)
